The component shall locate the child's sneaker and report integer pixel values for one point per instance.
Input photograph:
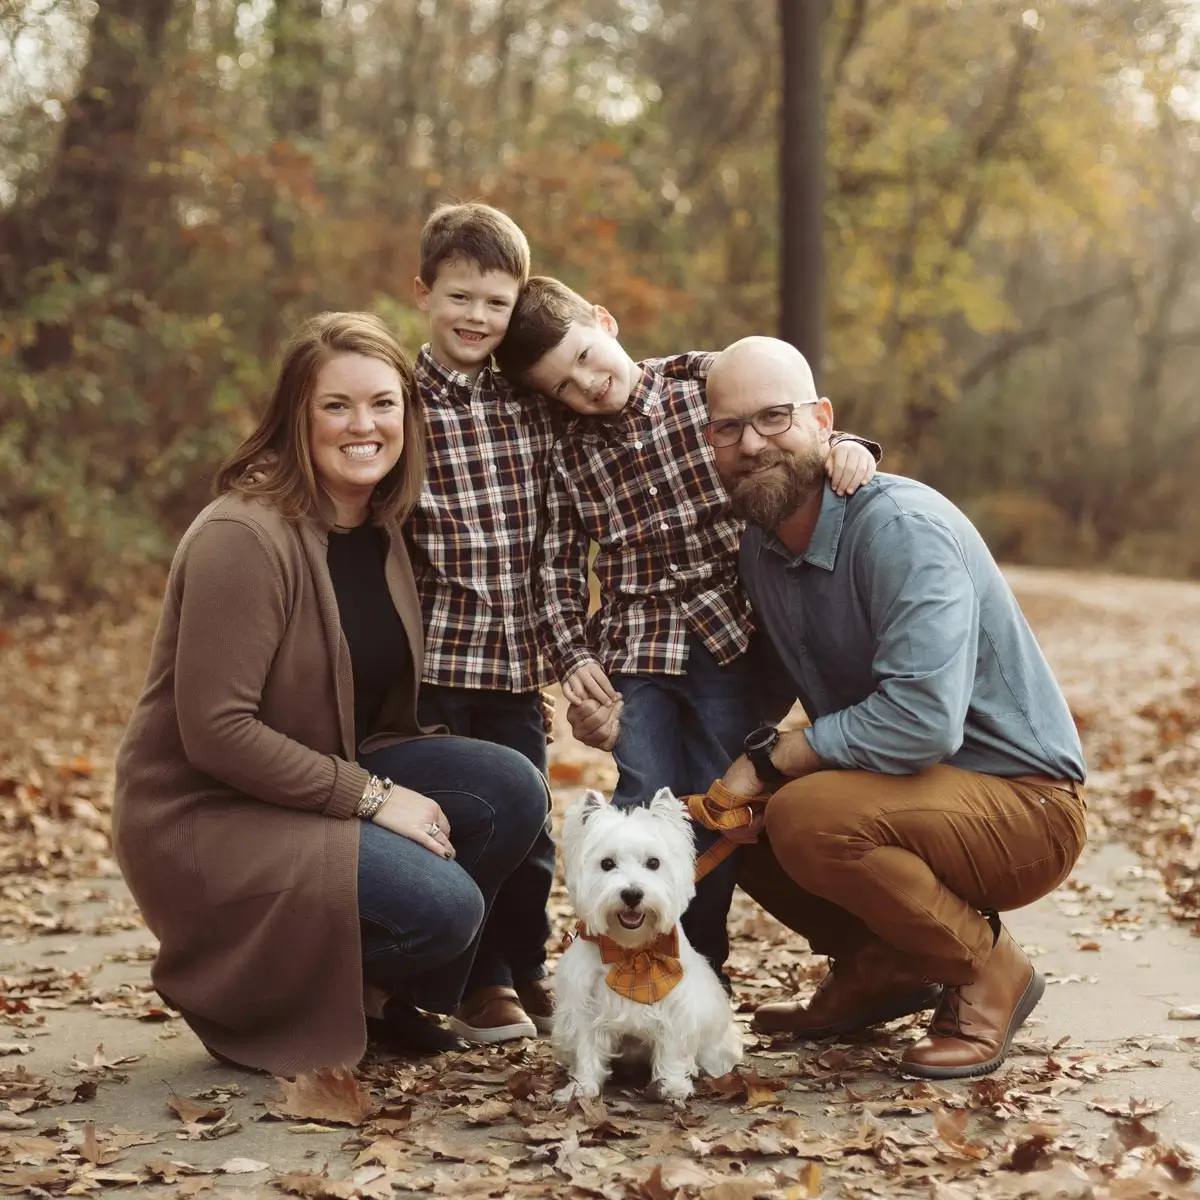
(491, 1015)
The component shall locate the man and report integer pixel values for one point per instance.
(940, 781)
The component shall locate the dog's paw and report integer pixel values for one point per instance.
(675, 1090)
(577, 1090)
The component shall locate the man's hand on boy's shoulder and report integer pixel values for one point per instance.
(849, 465)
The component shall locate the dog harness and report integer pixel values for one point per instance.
(644, 974)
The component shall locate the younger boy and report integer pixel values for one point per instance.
(472, 538)
(633, 473)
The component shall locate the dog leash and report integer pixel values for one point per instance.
(721, 809)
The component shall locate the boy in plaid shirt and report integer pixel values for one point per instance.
(664, 673)
(472, 539)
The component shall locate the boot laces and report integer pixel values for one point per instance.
(948, 1019)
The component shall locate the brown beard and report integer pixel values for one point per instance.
(769, 499)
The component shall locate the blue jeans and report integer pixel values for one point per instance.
(682, 732)
(422, 916)
(518, 926)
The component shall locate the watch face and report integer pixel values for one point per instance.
(760, 738)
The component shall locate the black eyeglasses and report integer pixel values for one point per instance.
(767, 422)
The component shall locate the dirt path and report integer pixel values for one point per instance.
(1100, 1099)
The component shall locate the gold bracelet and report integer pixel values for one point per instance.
(375, 795)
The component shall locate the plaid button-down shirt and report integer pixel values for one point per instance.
(645, 489)
(476, 530)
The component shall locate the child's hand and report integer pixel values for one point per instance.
(589, 682)
(596, 725)
(850, 464)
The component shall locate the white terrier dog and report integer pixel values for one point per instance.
(630, 984)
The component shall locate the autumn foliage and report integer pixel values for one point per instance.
(1010, 231)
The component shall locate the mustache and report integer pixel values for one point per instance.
(767, 457)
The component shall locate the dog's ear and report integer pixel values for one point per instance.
(666, 807)
(591, 803)
(664, 801)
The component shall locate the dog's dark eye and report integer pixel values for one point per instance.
(607, 864)
(652, 864)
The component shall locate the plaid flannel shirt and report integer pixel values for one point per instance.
(645, 489)
(475, 532)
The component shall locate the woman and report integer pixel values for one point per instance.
(289, 831)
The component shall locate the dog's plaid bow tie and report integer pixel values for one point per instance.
(645, 974)
(721, 809)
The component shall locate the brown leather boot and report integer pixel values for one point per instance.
(974, 1025)
(873, 985)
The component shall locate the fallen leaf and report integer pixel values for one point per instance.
(1128, 1108)
(89, 1147)
(191, 1111)
(326, 1094)
(317, 1187)
(243, 1166)
(488, 1113)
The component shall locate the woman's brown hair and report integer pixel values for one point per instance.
(275, 462)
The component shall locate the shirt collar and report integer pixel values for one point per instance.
(645, 398)
(822, 547)
(456, 382)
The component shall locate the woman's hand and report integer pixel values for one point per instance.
(417, 818)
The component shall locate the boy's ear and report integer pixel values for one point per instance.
(421, 292)
(606, 320)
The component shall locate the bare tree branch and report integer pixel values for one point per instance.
(1047, 327)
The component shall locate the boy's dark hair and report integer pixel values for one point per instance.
(475, 233)
(543, 313)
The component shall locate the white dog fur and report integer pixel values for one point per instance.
(647, 851)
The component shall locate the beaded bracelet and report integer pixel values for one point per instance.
(375, 795)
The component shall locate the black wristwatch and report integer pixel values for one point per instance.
(758, 746)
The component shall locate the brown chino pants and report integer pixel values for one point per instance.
(911, 859)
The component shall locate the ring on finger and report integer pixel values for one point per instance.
(434, 829)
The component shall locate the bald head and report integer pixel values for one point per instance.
(763, 370)
(768, 428)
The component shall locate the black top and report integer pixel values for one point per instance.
(380, 658)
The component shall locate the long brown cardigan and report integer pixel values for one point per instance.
(236, 786)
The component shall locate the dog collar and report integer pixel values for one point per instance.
(643, 974)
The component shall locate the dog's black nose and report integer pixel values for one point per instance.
(632, 896)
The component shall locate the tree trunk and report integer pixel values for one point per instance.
(801, 179)
(75, 220)
(297, 64)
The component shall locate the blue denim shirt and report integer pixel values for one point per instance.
(904, 642)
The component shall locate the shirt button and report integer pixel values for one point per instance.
(502, 516)
(664, 525)
(654, 491)
(802, 648)
(637, 445)
(495, 468)
(508, 566)
(673, 566)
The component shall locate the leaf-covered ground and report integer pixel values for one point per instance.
(1072, 1116)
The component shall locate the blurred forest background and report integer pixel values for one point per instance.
(1012, 234)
